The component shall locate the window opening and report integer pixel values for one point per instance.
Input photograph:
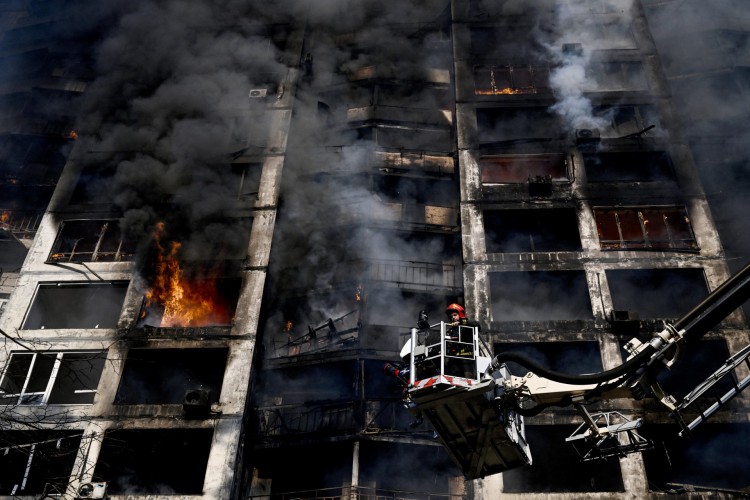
(540, 230)
(628, 166)
(645, 228)
(91, 241)
(37, 462)
(540, 296)
(51, 378)
(656, 293)
(76, 305)
(520, 168)
(511, 79)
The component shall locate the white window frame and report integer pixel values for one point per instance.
(29, 398)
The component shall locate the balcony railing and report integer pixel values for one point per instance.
(22, 224)
(302, 419)
(359, 493)
(357, 158)
(382, 416)
(413, 273)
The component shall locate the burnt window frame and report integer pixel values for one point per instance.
(546, 286)
(182, 364)
(105, 237)
(538, 79)
(93, 185)
(246, 179)
(609, 165)
(644, 243)
(631, 73)
(52, 374)
(555, 160)
(141, 461)
(38, 462)
(542, 227)
(640, 116)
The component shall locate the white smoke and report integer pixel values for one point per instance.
(579, 35)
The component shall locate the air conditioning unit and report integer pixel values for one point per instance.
(197, 403)
(258, 93)
(587, 136)
(92, 490)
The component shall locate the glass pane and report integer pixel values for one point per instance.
(76, 306)
(41, 372)
(77, 378)
(14, 377)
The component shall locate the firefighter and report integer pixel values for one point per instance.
(457, 317)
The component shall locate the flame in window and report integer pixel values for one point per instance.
(186, 301)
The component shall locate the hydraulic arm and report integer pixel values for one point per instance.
(477, 406)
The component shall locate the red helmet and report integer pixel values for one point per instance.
(456, 308)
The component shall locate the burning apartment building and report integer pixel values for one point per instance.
(220, 221)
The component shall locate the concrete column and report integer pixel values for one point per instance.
(354, 489)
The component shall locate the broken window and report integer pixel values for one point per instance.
(398, 468)
(557, 467)
(624, 121)
(606, 32)
(164, 376)
(154, 461)
(37, 462)
(656, 293)
(520, 168)
(506, 126)
(415, 190)
(510, 80)
(190, 298)
(311, 399)
(51, 377)
(76, 305)
(94, 185)
(406, 137)
(618, 76)
(539, 296)
(628, 166)
(248, 180)
(511, 42)
(645, 228)
(511, 231)
(322, 382)
(12, 251)
(91, 241)
(323, 470)
(567, 357)
(715, 457)
(31, 159)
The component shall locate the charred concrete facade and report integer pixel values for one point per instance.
(571, 158)
(318, 173)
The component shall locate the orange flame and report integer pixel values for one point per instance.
(289, 326)
(5, 217)
(73, 135)
(505, 91)
(358, 292)
(186, 303)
